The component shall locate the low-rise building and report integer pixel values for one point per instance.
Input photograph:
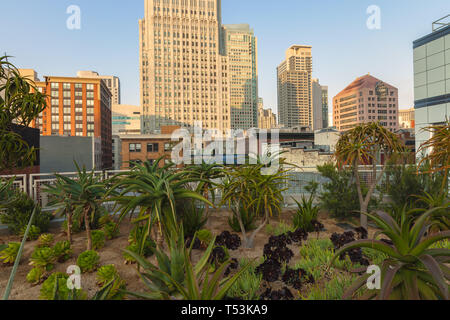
(60, 153)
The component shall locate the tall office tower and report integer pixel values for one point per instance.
(77, 107)
(183, 67)
(241, 49)
(320, 105)
(367, 99)
(112, 82)
(325, 105)
(295, 88)
(432, 79)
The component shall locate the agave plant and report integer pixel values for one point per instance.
(175, 277)
(440, 217)
(62, 250)
(46, 240)
(43, 258)
(412, 269)
(9, 252)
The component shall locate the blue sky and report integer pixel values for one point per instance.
(35, 33)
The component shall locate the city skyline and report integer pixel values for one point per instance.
(112, 48)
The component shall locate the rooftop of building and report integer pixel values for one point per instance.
(440, 29)
(366, 81)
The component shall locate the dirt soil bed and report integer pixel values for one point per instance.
(112, 254)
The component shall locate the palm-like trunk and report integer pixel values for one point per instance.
(87, 223)
(69, 227)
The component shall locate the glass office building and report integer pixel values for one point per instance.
(432, 79)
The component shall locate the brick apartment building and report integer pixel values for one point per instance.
(77, 107)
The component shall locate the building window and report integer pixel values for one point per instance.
(78, 86)
(153, 147)
(66, 86)
(135, 147)
(167, 147)
(90, 87)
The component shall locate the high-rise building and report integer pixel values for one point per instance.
(320, 105)
(112, 82)
(325, 104)
(266, 118)
(77, 107)
(367, 99)
(295, 88)
(432, 79)
(406, 118)
(241, 49)
(183, 67)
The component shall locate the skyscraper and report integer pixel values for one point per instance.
(241, 49)
(183, 66)
(112, 82)
(295, 88)
(320, 105)
(367, 99)
(432, 79)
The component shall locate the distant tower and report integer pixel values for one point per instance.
(295, 88)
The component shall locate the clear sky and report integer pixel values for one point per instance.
(35, 33)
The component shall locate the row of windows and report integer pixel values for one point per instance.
(151, 147)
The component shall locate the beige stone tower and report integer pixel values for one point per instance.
(183, 67)
(295, 105)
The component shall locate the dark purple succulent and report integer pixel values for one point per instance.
(270, 270)
(355, 254)
(228, 240)
(283, 294)
(197, 243)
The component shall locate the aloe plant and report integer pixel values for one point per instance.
(412, 270)
(306, 214)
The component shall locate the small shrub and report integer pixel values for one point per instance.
(104, 220)
(62, 251)
(88, 261)
(45, 240)
(306, 215)
(340, 196)
(98, 239)
(17, 216)
(9, 254)
(76, 227)
(43, 258)
(111, 230)
(35, 276)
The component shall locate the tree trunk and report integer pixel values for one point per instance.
(87, 223)
(69, 227)
(251, 240)
(362, 206)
